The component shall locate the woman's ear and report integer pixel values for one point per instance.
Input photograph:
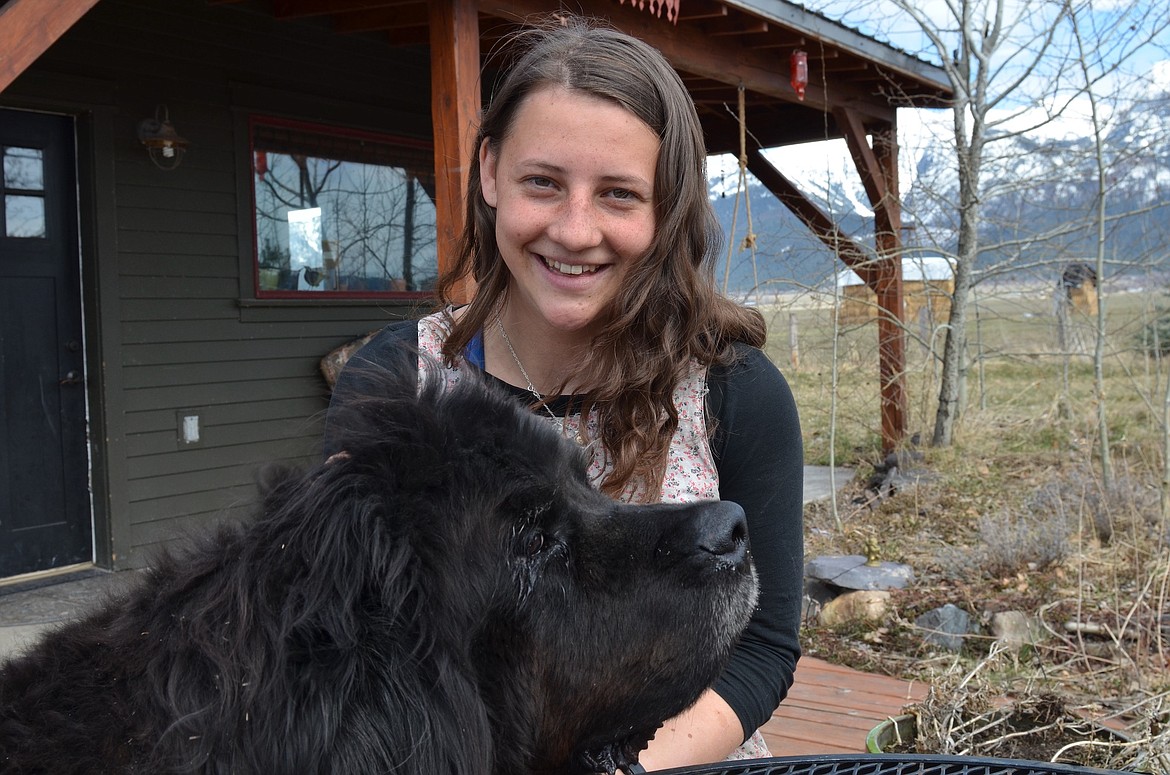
(487, 172)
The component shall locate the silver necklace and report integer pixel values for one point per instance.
(560, 421)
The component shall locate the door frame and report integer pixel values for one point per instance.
(92, 104)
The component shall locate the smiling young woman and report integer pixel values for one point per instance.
(592, 243)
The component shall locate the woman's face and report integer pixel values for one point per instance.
(573, 189)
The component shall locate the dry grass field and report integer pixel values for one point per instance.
(1014, 516)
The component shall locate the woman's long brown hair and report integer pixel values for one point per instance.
(668, 311)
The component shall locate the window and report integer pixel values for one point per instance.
(341, 213)
(24, 192)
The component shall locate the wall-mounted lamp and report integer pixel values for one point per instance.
(162, 142)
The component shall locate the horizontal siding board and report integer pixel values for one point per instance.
(301, 409)
(189, 483)
(220, 435)
(165, 244)
(176, 221)
(178, 308)
(209, 374)
(205, 199)
(231, 354)
(373, 314)
(205, 458)
(164, 397)
(220, 290)
(135, 168)
(148, 332)
(203, 265)
(177, 506)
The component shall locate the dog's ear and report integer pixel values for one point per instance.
(375, 396)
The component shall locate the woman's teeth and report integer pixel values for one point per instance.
(569, 268)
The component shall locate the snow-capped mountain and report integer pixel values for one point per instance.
(1039, 195)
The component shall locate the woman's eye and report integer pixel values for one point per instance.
(540, 182)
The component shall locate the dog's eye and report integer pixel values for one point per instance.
(536, 541)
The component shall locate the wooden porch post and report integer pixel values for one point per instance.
(455, 105)
(884, 276)
(878, 167)
(891, 326)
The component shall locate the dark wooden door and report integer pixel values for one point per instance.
(45, 517)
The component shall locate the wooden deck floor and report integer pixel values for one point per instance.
(831, 709)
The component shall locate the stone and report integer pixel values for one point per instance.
(1015, 629)
(869, 604)
(819, 591)
(851, 572)
(945, 627)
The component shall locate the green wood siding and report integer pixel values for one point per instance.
(173, 323)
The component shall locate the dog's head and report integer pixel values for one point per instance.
(584, 623)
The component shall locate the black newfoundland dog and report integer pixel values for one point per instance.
(448, 596)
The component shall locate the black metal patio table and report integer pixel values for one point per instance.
(887, 764)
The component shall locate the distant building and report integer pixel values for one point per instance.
(928, 284)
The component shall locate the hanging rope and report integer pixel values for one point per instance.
(749, 239)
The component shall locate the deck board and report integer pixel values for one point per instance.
(830, 709)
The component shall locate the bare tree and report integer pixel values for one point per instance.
(1014, 66)
(989, 50)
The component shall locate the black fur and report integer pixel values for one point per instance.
(448, 596)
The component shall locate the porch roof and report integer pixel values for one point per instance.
(714, 44)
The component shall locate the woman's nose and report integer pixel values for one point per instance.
(577, 226)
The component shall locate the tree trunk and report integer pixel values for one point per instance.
(954, 361)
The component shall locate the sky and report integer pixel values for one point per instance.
(1145, 72)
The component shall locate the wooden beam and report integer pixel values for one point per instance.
(455, 105)
(863, 157)
(692, 10)
(854, 256)
(725, 27)
(29, 27)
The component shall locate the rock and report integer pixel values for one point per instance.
(851, 572)
(819, 591)
(945, 627)
(1015, 629)
(853, 606)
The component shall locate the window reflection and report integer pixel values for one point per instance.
(24, 168)
(24, 216)
(341, 212)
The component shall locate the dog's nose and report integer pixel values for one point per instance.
(713, 538)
